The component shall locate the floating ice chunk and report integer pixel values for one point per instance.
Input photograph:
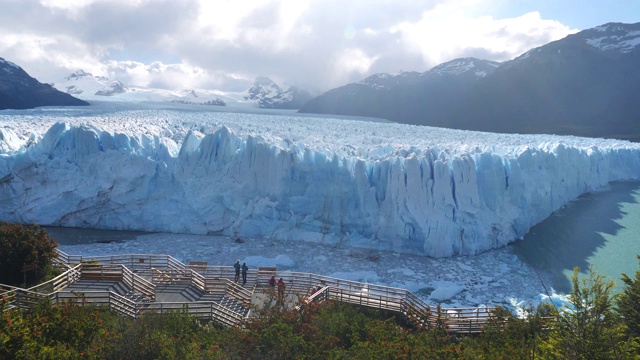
(444, 290)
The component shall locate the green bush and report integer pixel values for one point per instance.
(24, 248)
(591, 329)
(629, 302)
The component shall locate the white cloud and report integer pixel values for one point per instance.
(171, 76)
(444, 34)
(351, 61)
(302, 42)
(51, 57)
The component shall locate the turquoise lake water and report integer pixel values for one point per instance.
(599, 229)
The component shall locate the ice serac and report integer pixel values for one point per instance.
(429, 200)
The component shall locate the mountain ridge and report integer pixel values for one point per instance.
(585, 84)
(18, 90)
(263, 94)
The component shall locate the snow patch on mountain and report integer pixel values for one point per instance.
(614, 37)
(624, 43)
(115, 87)
(86, 86)
(462, 66)
(265, 93)
(376, 81)
(9, 66)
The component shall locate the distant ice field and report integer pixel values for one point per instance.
(367, 138)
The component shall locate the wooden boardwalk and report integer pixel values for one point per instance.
(136, 284)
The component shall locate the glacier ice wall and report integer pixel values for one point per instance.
(426, 200)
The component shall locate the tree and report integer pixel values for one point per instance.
(24, 250)
(629, 302)
(590, 328)
(509, 337)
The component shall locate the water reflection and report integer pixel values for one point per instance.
(599, 229)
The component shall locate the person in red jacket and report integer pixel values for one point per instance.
(281, 287)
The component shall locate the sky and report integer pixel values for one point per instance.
(315, 44)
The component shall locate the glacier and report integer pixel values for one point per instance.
(409, 189)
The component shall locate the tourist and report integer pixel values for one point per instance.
(237, 267)
(272, 281)
(244, 273)
(281, 287)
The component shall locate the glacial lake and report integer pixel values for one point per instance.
(599, 229)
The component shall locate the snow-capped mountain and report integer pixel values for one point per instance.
(82, 84)
(586, 84)
(263, 94)
(395, 97)
(116, 87)
(464, 67)
(18, 90)
(90, 87)
(267, 94)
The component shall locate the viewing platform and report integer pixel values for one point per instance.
(135, 284)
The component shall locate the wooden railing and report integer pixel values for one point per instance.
(26, 298)
(109, 299)
(318, 296)
(139, 284)
(204, 310)
(197, 280)
(238, 292)
(133, 261)
(59, 282)
(61, 261)
(465, 320)
(8, 296)
(217, 279)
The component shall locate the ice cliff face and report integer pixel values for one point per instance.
(432, 200)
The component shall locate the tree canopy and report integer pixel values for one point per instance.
(25, 253)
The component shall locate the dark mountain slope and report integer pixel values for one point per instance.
(587, 84)
(18, 90)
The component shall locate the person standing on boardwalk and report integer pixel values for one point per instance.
(281, 287)
(237, 267)
(244, 273)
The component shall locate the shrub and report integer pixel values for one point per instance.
(629, 302)
(591, 329)
(24, 248)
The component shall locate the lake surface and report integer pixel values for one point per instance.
(599, 229)
(77, 236)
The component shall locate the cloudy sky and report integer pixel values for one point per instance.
(318, 44)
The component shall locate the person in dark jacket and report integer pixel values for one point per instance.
(237, 267)
(244, 273)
